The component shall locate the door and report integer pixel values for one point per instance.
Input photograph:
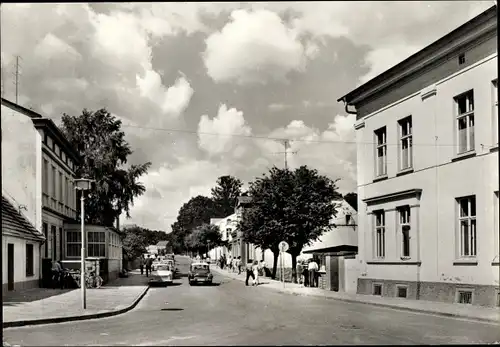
(54, 241)
(10, 266)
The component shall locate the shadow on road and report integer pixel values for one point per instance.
(163, 284)
(30, 295)
(172, 309)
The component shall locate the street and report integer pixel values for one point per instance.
(228, 313)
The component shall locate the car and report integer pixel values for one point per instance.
(171, 263)
(164, 273)
(155, 265)
(200, 273)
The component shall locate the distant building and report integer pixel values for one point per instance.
(164, 247)
(427, 134)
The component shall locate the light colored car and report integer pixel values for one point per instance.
(199, 272)
(164, 273)
(154, 265)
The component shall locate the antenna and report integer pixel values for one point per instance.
(286, 143)
(16, 76)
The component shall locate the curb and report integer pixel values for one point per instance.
(396, 307)
(22, 323)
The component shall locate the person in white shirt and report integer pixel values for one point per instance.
(255, 270)
(313, 269)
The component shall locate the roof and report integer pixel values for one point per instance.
(20, 109)
(417, 61)
(16, 223)
(162, 243)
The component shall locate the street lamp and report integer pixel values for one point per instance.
(83, 184)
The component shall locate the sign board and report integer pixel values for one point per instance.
(283, 246)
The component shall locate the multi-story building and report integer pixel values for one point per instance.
(427, 160)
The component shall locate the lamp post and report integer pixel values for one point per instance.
(83, 184)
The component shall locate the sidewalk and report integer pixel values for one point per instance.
(479, 313)
(44, 306)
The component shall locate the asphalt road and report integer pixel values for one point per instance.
(232, 314)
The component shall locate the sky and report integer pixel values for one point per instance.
(208, 89)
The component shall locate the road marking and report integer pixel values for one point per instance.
(164, 342)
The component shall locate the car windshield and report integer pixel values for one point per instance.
(164, 267)
(200, 268)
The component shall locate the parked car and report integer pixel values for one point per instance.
(171, 263)
(200, 273)
(164, 273)
(155, 265)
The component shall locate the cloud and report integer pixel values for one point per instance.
(252, 48)
(227, 121)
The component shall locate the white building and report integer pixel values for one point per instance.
(427, 152)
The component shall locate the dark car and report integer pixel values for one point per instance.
(200, 273)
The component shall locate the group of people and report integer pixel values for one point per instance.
(146, 263)
(308, 271)
(254, 269)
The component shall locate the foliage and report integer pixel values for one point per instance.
(292, 206)
(137, 239)
(100, 142)
(192, 214)
(204, 237)
(352, 199)
(225, 195)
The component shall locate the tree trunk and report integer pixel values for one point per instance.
(275, 264)
(294, 268)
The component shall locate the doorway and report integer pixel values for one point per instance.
(10, 266)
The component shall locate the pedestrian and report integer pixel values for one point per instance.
(299, 272)
(56, 274)
(141, 264)
(305, 274)
(255, 270)
(313, 269)
(229, 262)
(249, 271)
(149, 264)
(235, 264)
(239, 265)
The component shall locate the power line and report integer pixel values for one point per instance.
(286, 143)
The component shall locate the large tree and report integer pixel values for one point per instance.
(192, 214)
(225, 195)
(293, 206)
(204, 238)
(134, 243)
(100, 142)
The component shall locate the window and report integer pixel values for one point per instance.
(495, 112)
(66, 185)
(379, 234)
(61, 187)
(465, 121)
(54, 184)
(381, 155)
(30, 260)
(347, 219)
(402, 292)
(467, 226)
(45, 187)
(405, 145)
(96, 244)
(461, 59)
(377, 289)
(404, 229)
(54, 241)
(73, 244)
(464, 296)
(46, 234)
(60, 243)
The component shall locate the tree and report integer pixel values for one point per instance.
(352, 199)
(225, 195)
(100, 142)
(134, 243)
(293, 206)
(192, 214)
(204, 237)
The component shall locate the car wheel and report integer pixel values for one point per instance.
(191, 283)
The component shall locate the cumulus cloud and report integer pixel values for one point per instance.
(227, 121)
(254, 47)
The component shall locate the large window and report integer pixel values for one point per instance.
(61, 187)
(404, 230)
(379, 217)
(45, 178)
(465, 121)
(66, 185)
(46, 235)
(495, 111)
(381, 152)
(405, 144)
(96, 244)
(73, 244)
(54, 241)
(467, 226)
(30, 260)
(54, 183)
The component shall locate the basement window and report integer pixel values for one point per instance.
(464, 296)
(402, 291)
(461, 59)
(377, 289)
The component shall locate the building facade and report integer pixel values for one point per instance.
(427, 163)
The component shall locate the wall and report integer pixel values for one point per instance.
(351, 273)
(20, 154)
(21, 281)
(442, 177)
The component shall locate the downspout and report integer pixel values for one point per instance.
(346, 105)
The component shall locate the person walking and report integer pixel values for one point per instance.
(56, 274)
(249, 269)
(141, 264)
(299, 271)
(305, 274)
(313, 269)
(255, 270)
(239, 265)
(149, 264)
(229, 263)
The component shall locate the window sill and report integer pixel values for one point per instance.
(495, 263)
(465, 262)
(405, 171)
(403, 262)
(465, 155)
(30, 275)
(380, 178)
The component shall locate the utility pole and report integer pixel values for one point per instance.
(286, 143)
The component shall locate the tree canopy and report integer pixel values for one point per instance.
(293, 206)
(203, 238)
(100, 142)
(225, 195)
(137, 239)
